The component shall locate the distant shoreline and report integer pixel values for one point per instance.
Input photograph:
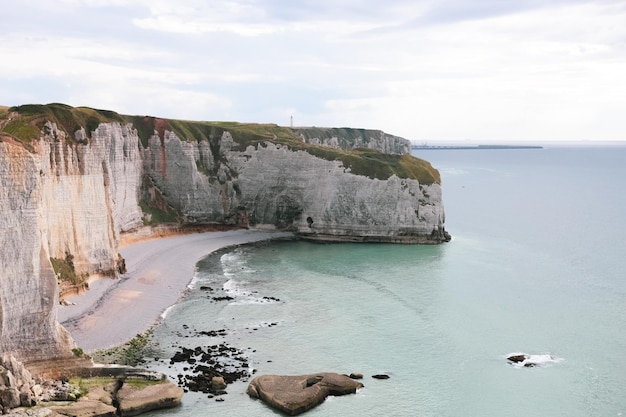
(476, 147)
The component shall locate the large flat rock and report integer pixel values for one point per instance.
(294, 395)
(134, 401)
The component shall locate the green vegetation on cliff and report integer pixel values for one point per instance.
(64, 270)
(366, 162)
(32, 117)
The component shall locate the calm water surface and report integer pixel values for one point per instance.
(536, 265)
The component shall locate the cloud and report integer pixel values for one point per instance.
(420, 69)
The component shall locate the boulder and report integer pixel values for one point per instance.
(86, 408)
(517, 358)
(137, 400)
(10, 398)
(294, 395)
(26, 397)
(218, 383)
(102, 393)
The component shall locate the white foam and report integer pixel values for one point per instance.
(194, 280)
(253, 300)
(234, 289)
(539, 360)
(167, 310)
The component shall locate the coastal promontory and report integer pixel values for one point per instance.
(74, 181)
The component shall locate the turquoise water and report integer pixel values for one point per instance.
(537, 265)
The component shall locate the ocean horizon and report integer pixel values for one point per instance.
(535, 266)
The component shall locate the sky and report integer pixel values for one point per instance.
(445, 70)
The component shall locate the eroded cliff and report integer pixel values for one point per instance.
(73, 179)
(61, 200)
(346, 138)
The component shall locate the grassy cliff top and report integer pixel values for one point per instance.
(31, 118)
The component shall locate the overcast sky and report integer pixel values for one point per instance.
(424, 70)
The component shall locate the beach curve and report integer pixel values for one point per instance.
(114, 311)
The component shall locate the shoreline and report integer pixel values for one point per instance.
(159, 270)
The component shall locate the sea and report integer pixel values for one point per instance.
(536, 265)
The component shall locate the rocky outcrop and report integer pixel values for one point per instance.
(103, 392)
(18, 388)
(294, 395)
(346, 138)
(134, 401)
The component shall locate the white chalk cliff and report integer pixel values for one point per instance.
(345, 138)
(75, 192)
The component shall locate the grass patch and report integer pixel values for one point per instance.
(67, 118)
(131, 353)
(142, 383)
(155, 215)
(85, 385)
(64, 270)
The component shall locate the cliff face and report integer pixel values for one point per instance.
(28, 288)
(69, 196)
(321, 199)
(345, 138)
(62, 198)
(90, 193)
(272, 186)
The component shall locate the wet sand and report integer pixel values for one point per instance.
(114, 311)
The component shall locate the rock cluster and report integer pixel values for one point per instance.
(19, 389)
(294, 395)
(211, 368)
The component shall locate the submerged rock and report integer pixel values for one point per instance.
(294, 395)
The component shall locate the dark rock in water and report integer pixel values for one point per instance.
(356, 375)
(294, 395)
(517, 358)
(380, 376)
(223, 298)
(212, 367)
(530, 361)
